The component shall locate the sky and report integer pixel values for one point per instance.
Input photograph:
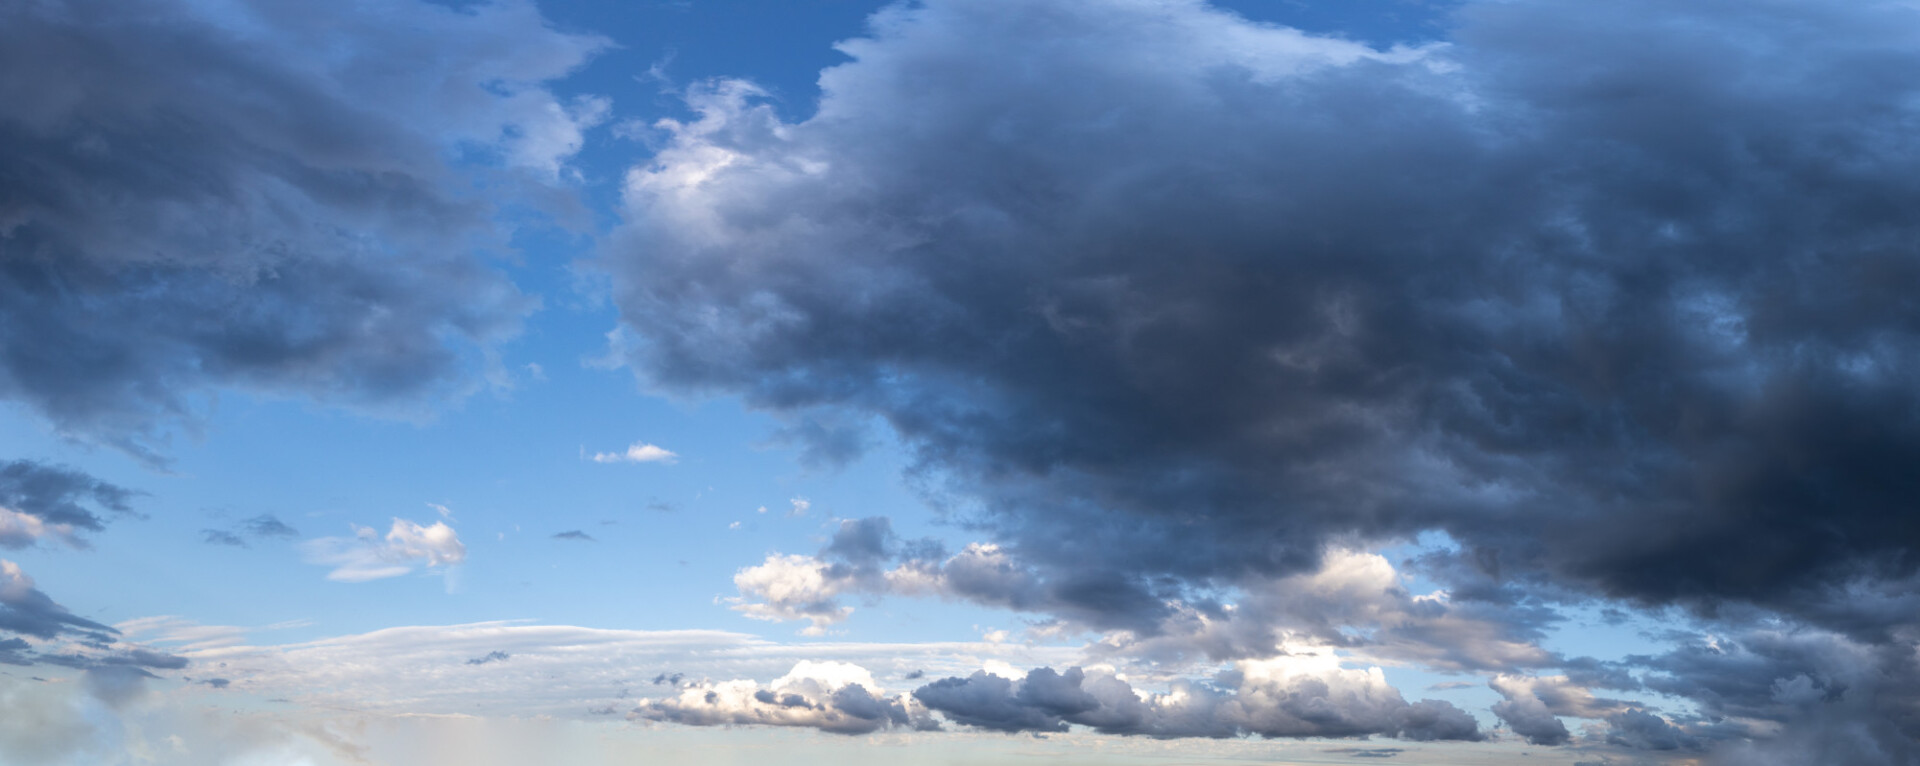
(959, 382)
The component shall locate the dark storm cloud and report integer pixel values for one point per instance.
(254, 197)
(1614, 294)
(59, 495)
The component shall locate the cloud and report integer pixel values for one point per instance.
(574, 534)
(1355, 599)
(791, 587)
(19, 530)
(190, 208)
(555, 671)
(1296, 287)
(829, 696)
(637, 452)
(369, 556)
(39, 501)
(1186, 306)
(493, 656)
(1304, 696)
(260, 527)
(27, 611)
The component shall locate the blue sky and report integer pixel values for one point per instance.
(990, 381)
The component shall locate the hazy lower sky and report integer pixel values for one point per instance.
(959, 382)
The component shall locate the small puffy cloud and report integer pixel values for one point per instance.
(637, 452)
(800, 506)
(369, 556)
(791, 587)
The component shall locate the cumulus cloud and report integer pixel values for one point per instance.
(190, 206)
(791, 587)
(1307, 695)
(637, 452)
(1169, 302)
(829, 696)
(370, 556)
(1354, 599)
(1291, 287)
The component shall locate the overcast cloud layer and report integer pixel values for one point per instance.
(184, 207)
(1616, 295)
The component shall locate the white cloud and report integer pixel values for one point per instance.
(800, 506)
(791, 587)
(637, 452)
(831, 696)
(369, 556)
(19, 529)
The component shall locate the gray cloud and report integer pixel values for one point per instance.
(1248, 296)
(188, 207)
(574, 534)
(27, 611)
(1611, 294)
(1264, 699)
(57, 497)
(265, 526)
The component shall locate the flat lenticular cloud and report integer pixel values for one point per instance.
(188, 208)
(1612, 295)
(637, 452)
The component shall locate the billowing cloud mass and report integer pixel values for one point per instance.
(260, 196)
(830, 696)
(1614, 295)
(369, 556)
(1308, 695)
